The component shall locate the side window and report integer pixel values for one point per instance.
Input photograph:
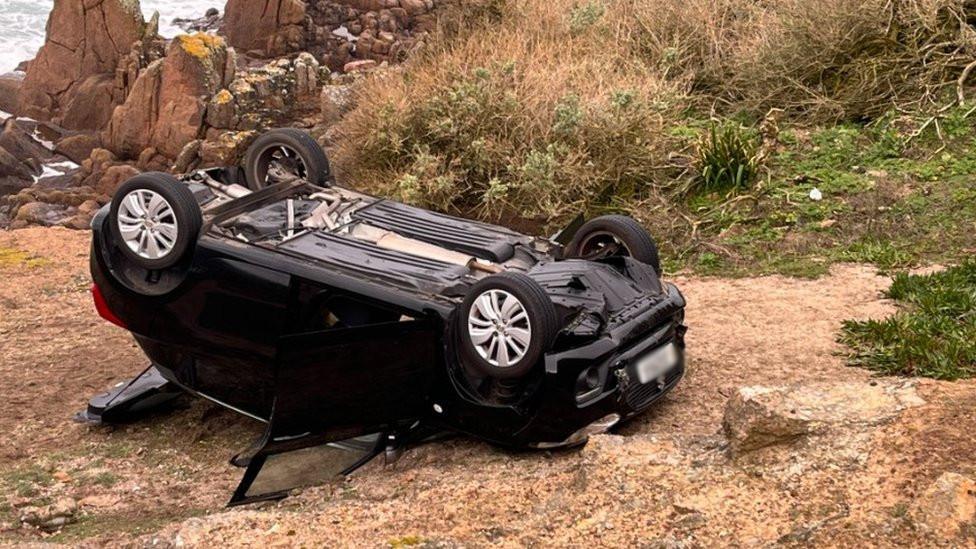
(320, 308)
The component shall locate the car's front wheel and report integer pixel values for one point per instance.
(154, 220)
(506, 324)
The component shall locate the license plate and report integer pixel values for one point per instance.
(657, 363)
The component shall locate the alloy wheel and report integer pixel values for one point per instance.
(499, 328)
(147, 224)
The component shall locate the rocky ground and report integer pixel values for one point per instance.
(770, 440)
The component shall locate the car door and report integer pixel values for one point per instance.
(352, 365)
(351, 374)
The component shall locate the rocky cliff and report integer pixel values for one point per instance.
(72, 79)
(114, 98)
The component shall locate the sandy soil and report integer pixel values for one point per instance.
(664, 481)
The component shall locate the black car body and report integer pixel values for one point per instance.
(326, 335)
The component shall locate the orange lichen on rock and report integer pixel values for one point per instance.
(223, 97)
(200, 45)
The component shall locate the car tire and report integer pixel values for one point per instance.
(525, 329)
(594, 238)
(154, 220)
(282, 153)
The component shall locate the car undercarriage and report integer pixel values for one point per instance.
(352, 323)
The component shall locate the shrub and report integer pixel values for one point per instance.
(728, 159)
(536, 118)
(548, 108)
(934, 333)
(823, 59)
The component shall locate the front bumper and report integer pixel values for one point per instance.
(618, 392)
(582, 386)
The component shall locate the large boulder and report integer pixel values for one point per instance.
(114, 177)
(167, 106)
(14, 175)
(90, 105)
(16, 138)
(78, 147)
(225, 148)
(70, 80)
(21, 157)
(277, 28)
(757, 417)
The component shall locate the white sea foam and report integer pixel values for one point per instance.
(22, 24)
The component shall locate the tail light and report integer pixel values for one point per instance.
(102, 307)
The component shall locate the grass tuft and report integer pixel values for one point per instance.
(728, 159)
(934, 333)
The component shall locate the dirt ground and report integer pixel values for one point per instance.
(665, 480)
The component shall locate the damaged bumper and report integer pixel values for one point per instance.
(596, 385)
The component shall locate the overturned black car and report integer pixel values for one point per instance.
(352, 323)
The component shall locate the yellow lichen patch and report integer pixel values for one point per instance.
(223, 97)
(405, 541)
(200, 45)
(11, 257)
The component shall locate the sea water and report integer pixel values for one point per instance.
(22, 24)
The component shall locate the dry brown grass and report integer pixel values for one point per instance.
(822, 59)
(543, 108)
(536, 114)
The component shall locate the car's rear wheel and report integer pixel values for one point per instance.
(154, 219)
(614, 235)
(284, 154)
(505, 325)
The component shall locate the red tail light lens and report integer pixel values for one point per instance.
(102, 307)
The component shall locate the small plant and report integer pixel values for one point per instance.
(105, 479)
(495, 195)
(585, 16)
(728, 159)
(934, 333)
(567, 116)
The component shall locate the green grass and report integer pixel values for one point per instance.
(91, 525)
(932, 335)
(105, 479)
(28, 481)
(890, 198)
